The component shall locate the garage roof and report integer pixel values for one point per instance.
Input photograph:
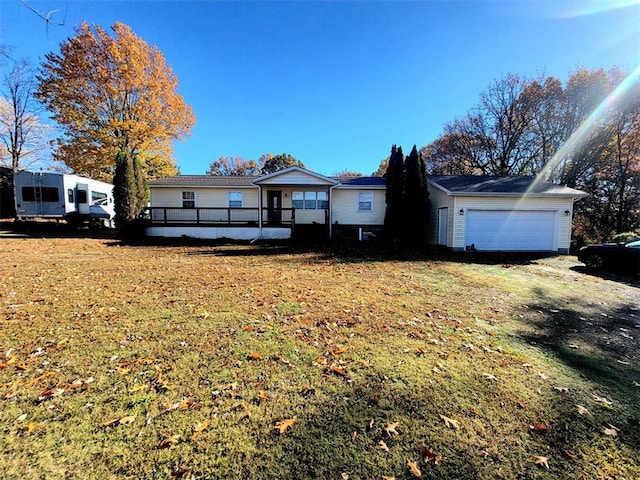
(496, 185)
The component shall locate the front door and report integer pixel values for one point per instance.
(82, 197)
(274, 208)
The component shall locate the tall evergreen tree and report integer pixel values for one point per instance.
(130, 192)
(415, 200)
(395, 183)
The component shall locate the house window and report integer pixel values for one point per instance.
(235, 199)
(297, 200)
(309, 200)
(323, 203)
(188, 199)
(365, 201)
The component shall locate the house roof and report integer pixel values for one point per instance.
(494, 185)
(361, 181)
(204, 181)
(252, 181)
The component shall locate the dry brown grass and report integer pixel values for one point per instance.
(178, 362)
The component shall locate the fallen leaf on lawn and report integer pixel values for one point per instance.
(338, 350)
(428, 455)
(542, 461)
(137, 388)
(602, 400)
(611, 431)
(582, 410)
(169, 441)
(22, 417)
(542, 376)
(48, 393)
(111, 421)
(540, 427)
(391, 428)
(490, 376)
(254, 356)
(413, 469)
(31, 427)
(345, 476)
(283, 425)
(561, 389)
(180, 472)
(263, 395)
(198, 429)
(569, 454)
(384, 477)
(450, 422)
(383, 445)
(126, 420)
(183, 404)
(636, 384)
(339, 371)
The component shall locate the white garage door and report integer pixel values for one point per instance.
(519, 230)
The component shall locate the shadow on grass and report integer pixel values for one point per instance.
(600, 342)
(611, 332)
(629, 278)
(53, 229)
(360, 252)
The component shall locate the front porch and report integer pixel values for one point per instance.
(235, 223)
(225, 216)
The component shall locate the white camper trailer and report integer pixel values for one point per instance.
(59, 196)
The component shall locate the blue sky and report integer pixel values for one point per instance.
(336, 83)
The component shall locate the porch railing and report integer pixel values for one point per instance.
(220, 216)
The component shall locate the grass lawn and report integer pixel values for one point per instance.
(249, 362)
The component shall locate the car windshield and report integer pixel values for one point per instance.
(635, 244)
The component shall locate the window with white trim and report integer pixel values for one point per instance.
(188, 199)
(323, 202)
(310, 200)
(235, 200)
(365, 201)
(297, 200)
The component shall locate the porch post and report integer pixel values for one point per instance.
(260, 209)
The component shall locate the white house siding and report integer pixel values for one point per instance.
(212, 197)
(558, 205)
(345, 207)
(439, 199)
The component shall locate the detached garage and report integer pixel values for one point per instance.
(490, 213)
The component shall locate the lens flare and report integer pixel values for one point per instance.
(586, 129)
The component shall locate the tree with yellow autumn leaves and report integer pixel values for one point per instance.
(113, 94)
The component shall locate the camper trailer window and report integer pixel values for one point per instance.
(40, 194)
(95, 196)
(82, 196)
(70, 195)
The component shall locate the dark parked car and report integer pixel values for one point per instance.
(619, 256)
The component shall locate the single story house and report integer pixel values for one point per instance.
(490, 213)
